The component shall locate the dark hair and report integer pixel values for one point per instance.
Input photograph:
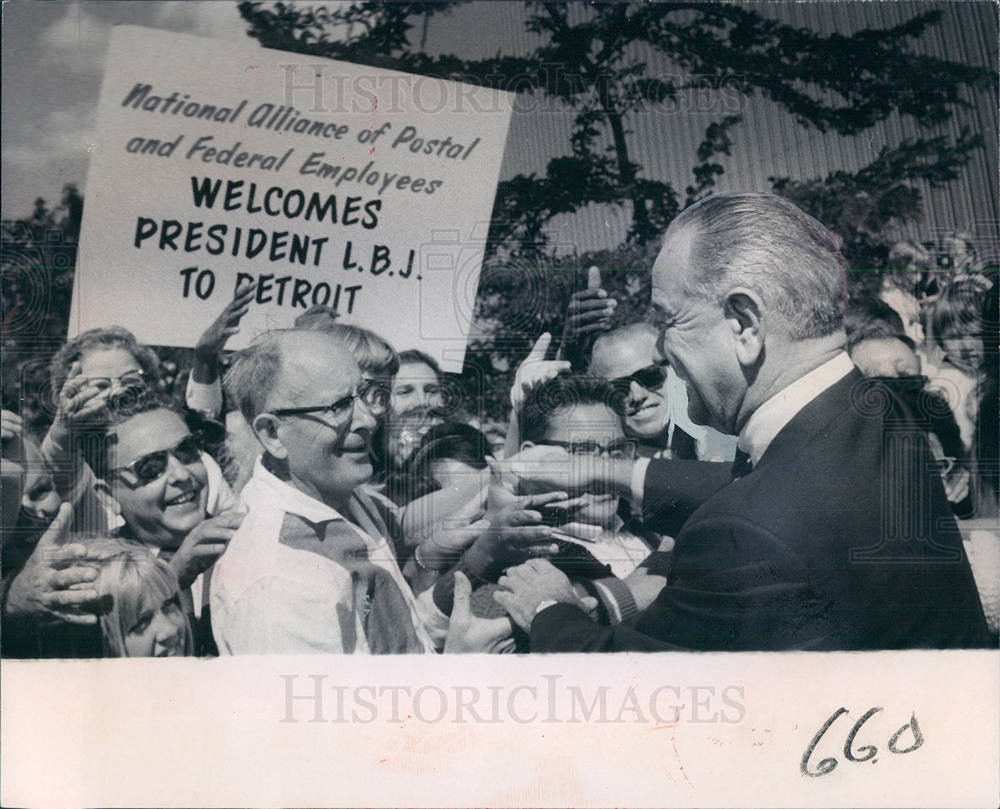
(959, 312)
(414, 357)
(103, 338)
(563, 392)
(453, 440)
(987, 435)
(94, 441)
(867, 317)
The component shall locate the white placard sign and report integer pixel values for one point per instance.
(330, 183)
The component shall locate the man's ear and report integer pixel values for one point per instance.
(743, 312)
(527, 444)
(265, 427)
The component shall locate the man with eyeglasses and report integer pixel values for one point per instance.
(310, 569)
(817, 542)
(582, 415)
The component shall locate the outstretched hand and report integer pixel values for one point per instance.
(468, 634)
(203, 545)
(535, 370)
(525, 587)
(214, 338)
(56, 583)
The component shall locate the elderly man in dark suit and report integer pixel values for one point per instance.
(834, 532)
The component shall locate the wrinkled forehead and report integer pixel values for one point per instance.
(584, 422)
(673, 267)
(619, 355)
(314, 372)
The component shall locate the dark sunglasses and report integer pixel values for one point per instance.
(651, 378)
(623, 448)
(149, 467)
(374, 395)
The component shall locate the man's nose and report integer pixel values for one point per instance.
(362, 419)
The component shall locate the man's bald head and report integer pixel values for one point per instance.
(282, 365)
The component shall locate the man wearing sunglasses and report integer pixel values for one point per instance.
(817, 542)
(652, 398)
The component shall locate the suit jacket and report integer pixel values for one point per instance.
(840, 538)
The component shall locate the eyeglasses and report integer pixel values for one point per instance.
(150, 467)
(621, 449)
(130, 379)
(373, 394)
(651, 378)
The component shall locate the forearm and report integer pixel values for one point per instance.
(512, 443)
(69, 472)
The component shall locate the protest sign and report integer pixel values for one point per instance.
(323, 182)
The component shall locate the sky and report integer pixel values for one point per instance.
(53, 58)
(53, 55)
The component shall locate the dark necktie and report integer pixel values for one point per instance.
(742, 465)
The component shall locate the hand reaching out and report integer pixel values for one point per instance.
(525, 587)
(214, 338)
(534, 371)
(203, 545)
(56, 583)
(468, 634)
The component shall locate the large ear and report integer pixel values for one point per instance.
(266, 427)
(744, 316)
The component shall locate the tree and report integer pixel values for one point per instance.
(588, 60)
(866, 206)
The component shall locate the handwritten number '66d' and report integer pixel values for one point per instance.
(865, 752)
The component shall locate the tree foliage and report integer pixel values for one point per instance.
(594, 59)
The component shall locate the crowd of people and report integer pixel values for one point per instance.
(764, 462)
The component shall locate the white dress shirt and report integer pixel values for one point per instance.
(272, 598)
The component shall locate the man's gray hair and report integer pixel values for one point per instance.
(767, 244)
(253, 374)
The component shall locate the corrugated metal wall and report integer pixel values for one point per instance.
(769, 142)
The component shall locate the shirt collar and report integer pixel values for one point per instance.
(285, 497)
(771, 417)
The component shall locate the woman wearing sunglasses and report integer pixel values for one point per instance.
(165, 493)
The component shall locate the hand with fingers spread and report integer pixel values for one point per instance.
(214, 338)
(80, 400)
(203, 545)
(56, 583)
(534, 371)
(525, 587)
(544, 466)
(468, 634)
(447, 541)
(516, 531)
